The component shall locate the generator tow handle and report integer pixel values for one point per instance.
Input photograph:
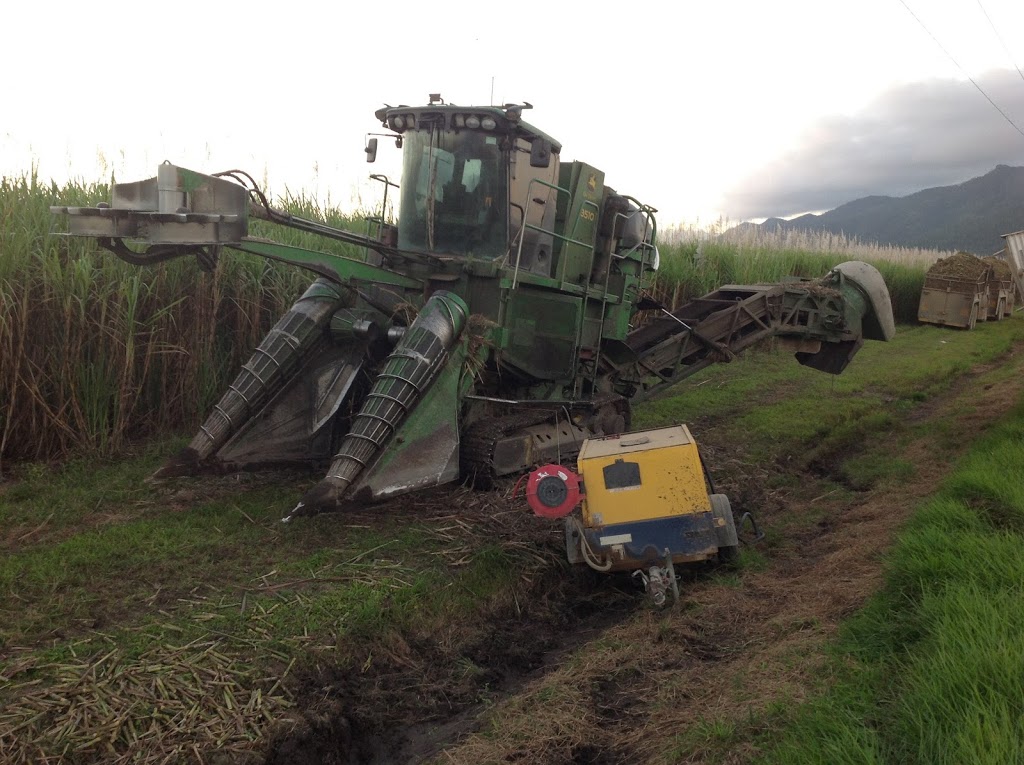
(748, 519)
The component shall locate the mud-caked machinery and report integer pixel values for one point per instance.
(494, 328)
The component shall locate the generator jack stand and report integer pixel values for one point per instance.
(658, 580)
(755, 535)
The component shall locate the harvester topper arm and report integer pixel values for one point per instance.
(179, 213)
(335, 267)
(282, 218)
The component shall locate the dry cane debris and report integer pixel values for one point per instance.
(171, 704)
(198, 703)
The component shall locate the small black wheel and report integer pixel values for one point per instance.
(728, 555)
(479, 478)
(729, 552)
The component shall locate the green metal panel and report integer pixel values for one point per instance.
(334, 267)
(579, 216)
(542, 326)
(484, 298)
(424, 451)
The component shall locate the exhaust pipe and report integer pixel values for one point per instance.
(406, 374)
(279, 353)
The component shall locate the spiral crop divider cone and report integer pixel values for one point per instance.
(404, 377)
(266, 371)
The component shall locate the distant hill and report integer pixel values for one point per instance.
(969, 216)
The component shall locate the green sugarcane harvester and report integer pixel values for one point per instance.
(491, 330)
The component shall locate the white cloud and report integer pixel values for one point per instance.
(911, 137)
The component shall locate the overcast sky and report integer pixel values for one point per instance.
(914, 136)
(732, 109)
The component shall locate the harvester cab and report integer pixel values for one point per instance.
(495, 330)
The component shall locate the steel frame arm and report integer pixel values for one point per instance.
(335, 267)
(720, 325)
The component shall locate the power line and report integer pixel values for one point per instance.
(1001, 41)
(964, 71)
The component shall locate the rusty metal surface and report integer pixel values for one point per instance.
(953, 302)
(1015, 256)
(177, 206)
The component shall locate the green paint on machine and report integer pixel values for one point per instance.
(506, 261)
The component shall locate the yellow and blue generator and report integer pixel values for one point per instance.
(647, 504)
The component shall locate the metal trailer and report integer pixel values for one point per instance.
(1014, 255)
(954, 302)
(1000, 297)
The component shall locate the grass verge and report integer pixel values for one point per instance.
(929, 671)
(777, 411)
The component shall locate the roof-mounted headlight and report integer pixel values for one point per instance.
(410, 121)
(472, 121)
(460, 120)
(488, 123)
(398, 122)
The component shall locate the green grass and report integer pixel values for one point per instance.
(929, 671)
(869, 470)
(708, 741)
(269, 599)
(775, 408)
(113, 548)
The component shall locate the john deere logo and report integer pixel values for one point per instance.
(592, 182)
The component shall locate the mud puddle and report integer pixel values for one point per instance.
(424, 693)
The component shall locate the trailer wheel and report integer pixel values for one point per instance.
(728, 541)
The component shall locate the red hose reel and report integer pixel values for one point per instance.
(552, 491)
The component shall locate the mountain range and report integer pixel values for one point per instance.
(969, 216)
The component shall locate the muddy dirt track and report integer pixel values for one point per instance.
(571, 671)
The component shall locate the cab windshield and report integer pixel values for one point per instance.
(454, 193)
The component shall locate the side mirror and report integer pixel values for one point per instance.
(371, 150)
(540, 153)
